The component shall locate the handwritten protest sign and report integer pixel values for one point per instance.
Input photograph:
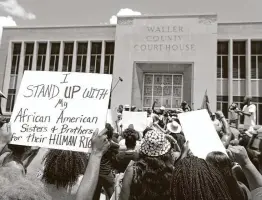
(138, 119)
(60, 110)
(200, 132)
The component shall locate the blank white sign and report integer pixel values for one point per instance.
(138, 119)
(201, 133)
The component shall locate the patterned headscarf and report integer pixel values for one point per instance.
(155, 144)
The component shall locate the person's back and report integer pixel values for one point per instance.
(123, 159)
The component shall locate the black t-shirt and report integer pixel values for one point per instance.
(123, 159)
(108, 161)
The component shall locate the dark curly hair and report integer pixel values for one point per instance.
(131, 136)
(130, 131)
(152, 178)
(63, 168)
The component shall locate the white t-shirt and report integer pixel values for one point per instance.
(249, 121)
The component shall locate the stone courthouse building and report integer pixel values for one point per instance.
(163, 58)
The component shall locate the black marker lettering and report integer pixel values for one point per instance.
(65, 78)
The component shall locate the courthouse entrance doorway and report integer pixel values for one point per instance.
(165, 89)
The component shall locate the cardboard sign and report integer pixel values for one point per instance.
(137, 119)
(60, 110)
(201, 133)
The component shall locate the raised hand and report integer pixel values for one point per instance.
(100, 143)
(238, 154)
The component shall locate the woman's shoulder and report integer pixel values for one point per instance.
(257, 194)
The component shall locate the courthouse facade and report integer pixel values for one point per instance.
(163, 58)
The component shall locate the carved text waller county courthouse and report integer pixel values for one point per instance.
(163, 58)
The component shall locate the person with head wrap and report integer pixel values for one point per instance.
(149, 177)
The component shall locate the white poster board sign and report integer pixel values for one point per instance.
(138, 119)
(201, 133)
(60, 110)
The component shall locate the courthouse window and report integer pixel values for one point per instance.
(165, 89)
(41, 56)
(96, 50)
(54, 56)
(29, 53)
(16, 52)
(239, 59)
(256, 59)
(109, 57)
(81, 56)
(68, 56)
(222, 59)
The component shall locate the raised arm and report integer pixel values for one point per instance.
(227, 137)
(251, 110)
(153, 107)
(87, 187)
(239, 155)
(127, 181)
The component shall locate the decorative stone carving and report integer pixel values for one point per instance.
(208, 19)
(125, 21)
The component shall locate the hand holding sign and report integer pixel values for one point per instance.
(5, 133)
(60, 110)
(100, 143)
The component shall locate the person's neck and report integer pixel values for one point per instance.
(130, 149)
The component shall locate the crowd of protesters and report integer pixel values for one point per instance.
(128, 165)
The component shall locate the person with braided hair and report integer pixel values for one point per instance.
(62, 172)
(195, 179)
(225, 166)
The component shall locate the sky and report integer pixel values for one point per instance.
(91, 12)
